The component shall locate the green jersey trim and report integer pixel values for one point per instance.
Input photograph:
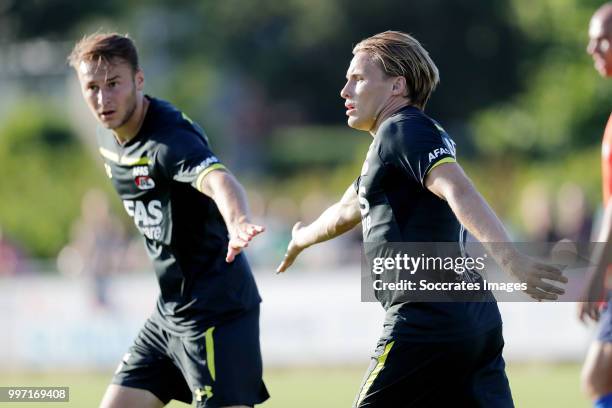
(442, 161)
(203, 173)
(124, 161)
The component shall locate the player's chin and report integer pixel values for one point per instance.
(108, 124)
(355, 123)
(112, 125)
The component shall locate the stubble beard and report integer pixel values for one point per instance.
(129, 113)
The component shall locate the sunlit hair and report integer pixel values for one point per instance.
(104, 48)
(400, 54)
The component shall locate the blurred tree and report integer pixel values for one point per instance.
(299, 50)
(564, 103)
(46, 173)
(27, 19)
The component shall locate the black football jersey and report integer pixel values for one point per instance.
(397, 207)
(157, 174)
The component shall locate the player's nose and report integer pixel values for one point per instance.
(344, 94)
(103, 98)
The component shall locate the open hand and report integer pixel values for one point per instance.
(293, 249)
(533, 273)
(240, 236)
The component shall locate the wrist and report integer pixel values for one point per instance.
(300, 239)
(505, 254)
(237, 221)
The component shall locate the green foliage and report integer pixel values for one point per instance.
(297, 149)
(45, 173)
(298, 51)
(303, 160)
(35, 18)
(565, 103)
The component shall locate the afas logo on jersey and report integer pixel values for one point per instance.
(142, 179)
(209, 161)
(148, 217)
(437, 152)
(450, 149)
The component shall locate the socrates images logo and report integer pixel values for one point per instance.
(144, 182)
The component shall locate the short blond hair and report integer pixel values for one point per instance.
(400, 54)
(104, 48)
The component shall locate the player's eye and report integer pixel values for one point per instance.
(112, 84)
(93, 88)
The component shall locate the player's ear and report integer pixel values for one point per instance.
(399, 86)
(139, 79)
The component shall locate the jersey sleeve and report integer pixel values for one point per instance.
(188, 158)
(416, 148)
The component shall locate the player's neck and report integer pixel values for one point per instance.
(392, 107)
(131, 128)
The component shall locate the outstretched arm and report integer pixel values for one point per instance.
(336, 220)
(602, 258)
(449, 182)
(228, 194)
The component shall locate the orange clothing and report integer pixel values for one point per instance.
(606, 162)
(606, 175)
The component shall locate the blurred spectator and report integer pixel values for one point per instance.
(97, 247)
(536, 213)
(12, 260)
(574, 221)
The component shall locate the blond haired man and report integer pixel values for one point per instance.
(411, 189)
(202, 339)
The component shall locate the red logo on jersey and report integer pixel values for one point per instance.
(144, 182)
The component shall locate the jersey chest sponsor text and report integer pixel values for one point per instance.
(148, 217)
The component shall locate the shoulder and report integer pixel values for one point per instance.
(167, 117)
(172, 130)
(409, 127)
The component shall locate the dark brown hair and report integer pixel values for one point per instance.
(104, 48)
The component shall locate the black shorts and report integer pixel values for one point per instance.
(468, 373)
(219, 368)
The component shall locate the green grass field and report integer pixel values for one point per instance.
(533, 386)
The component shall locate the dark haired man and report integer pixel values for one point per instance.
(202, 340)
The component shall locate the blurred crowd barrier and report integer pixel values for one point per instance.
(309, 317)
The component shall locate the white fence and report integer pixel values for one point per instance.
(308, 318)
